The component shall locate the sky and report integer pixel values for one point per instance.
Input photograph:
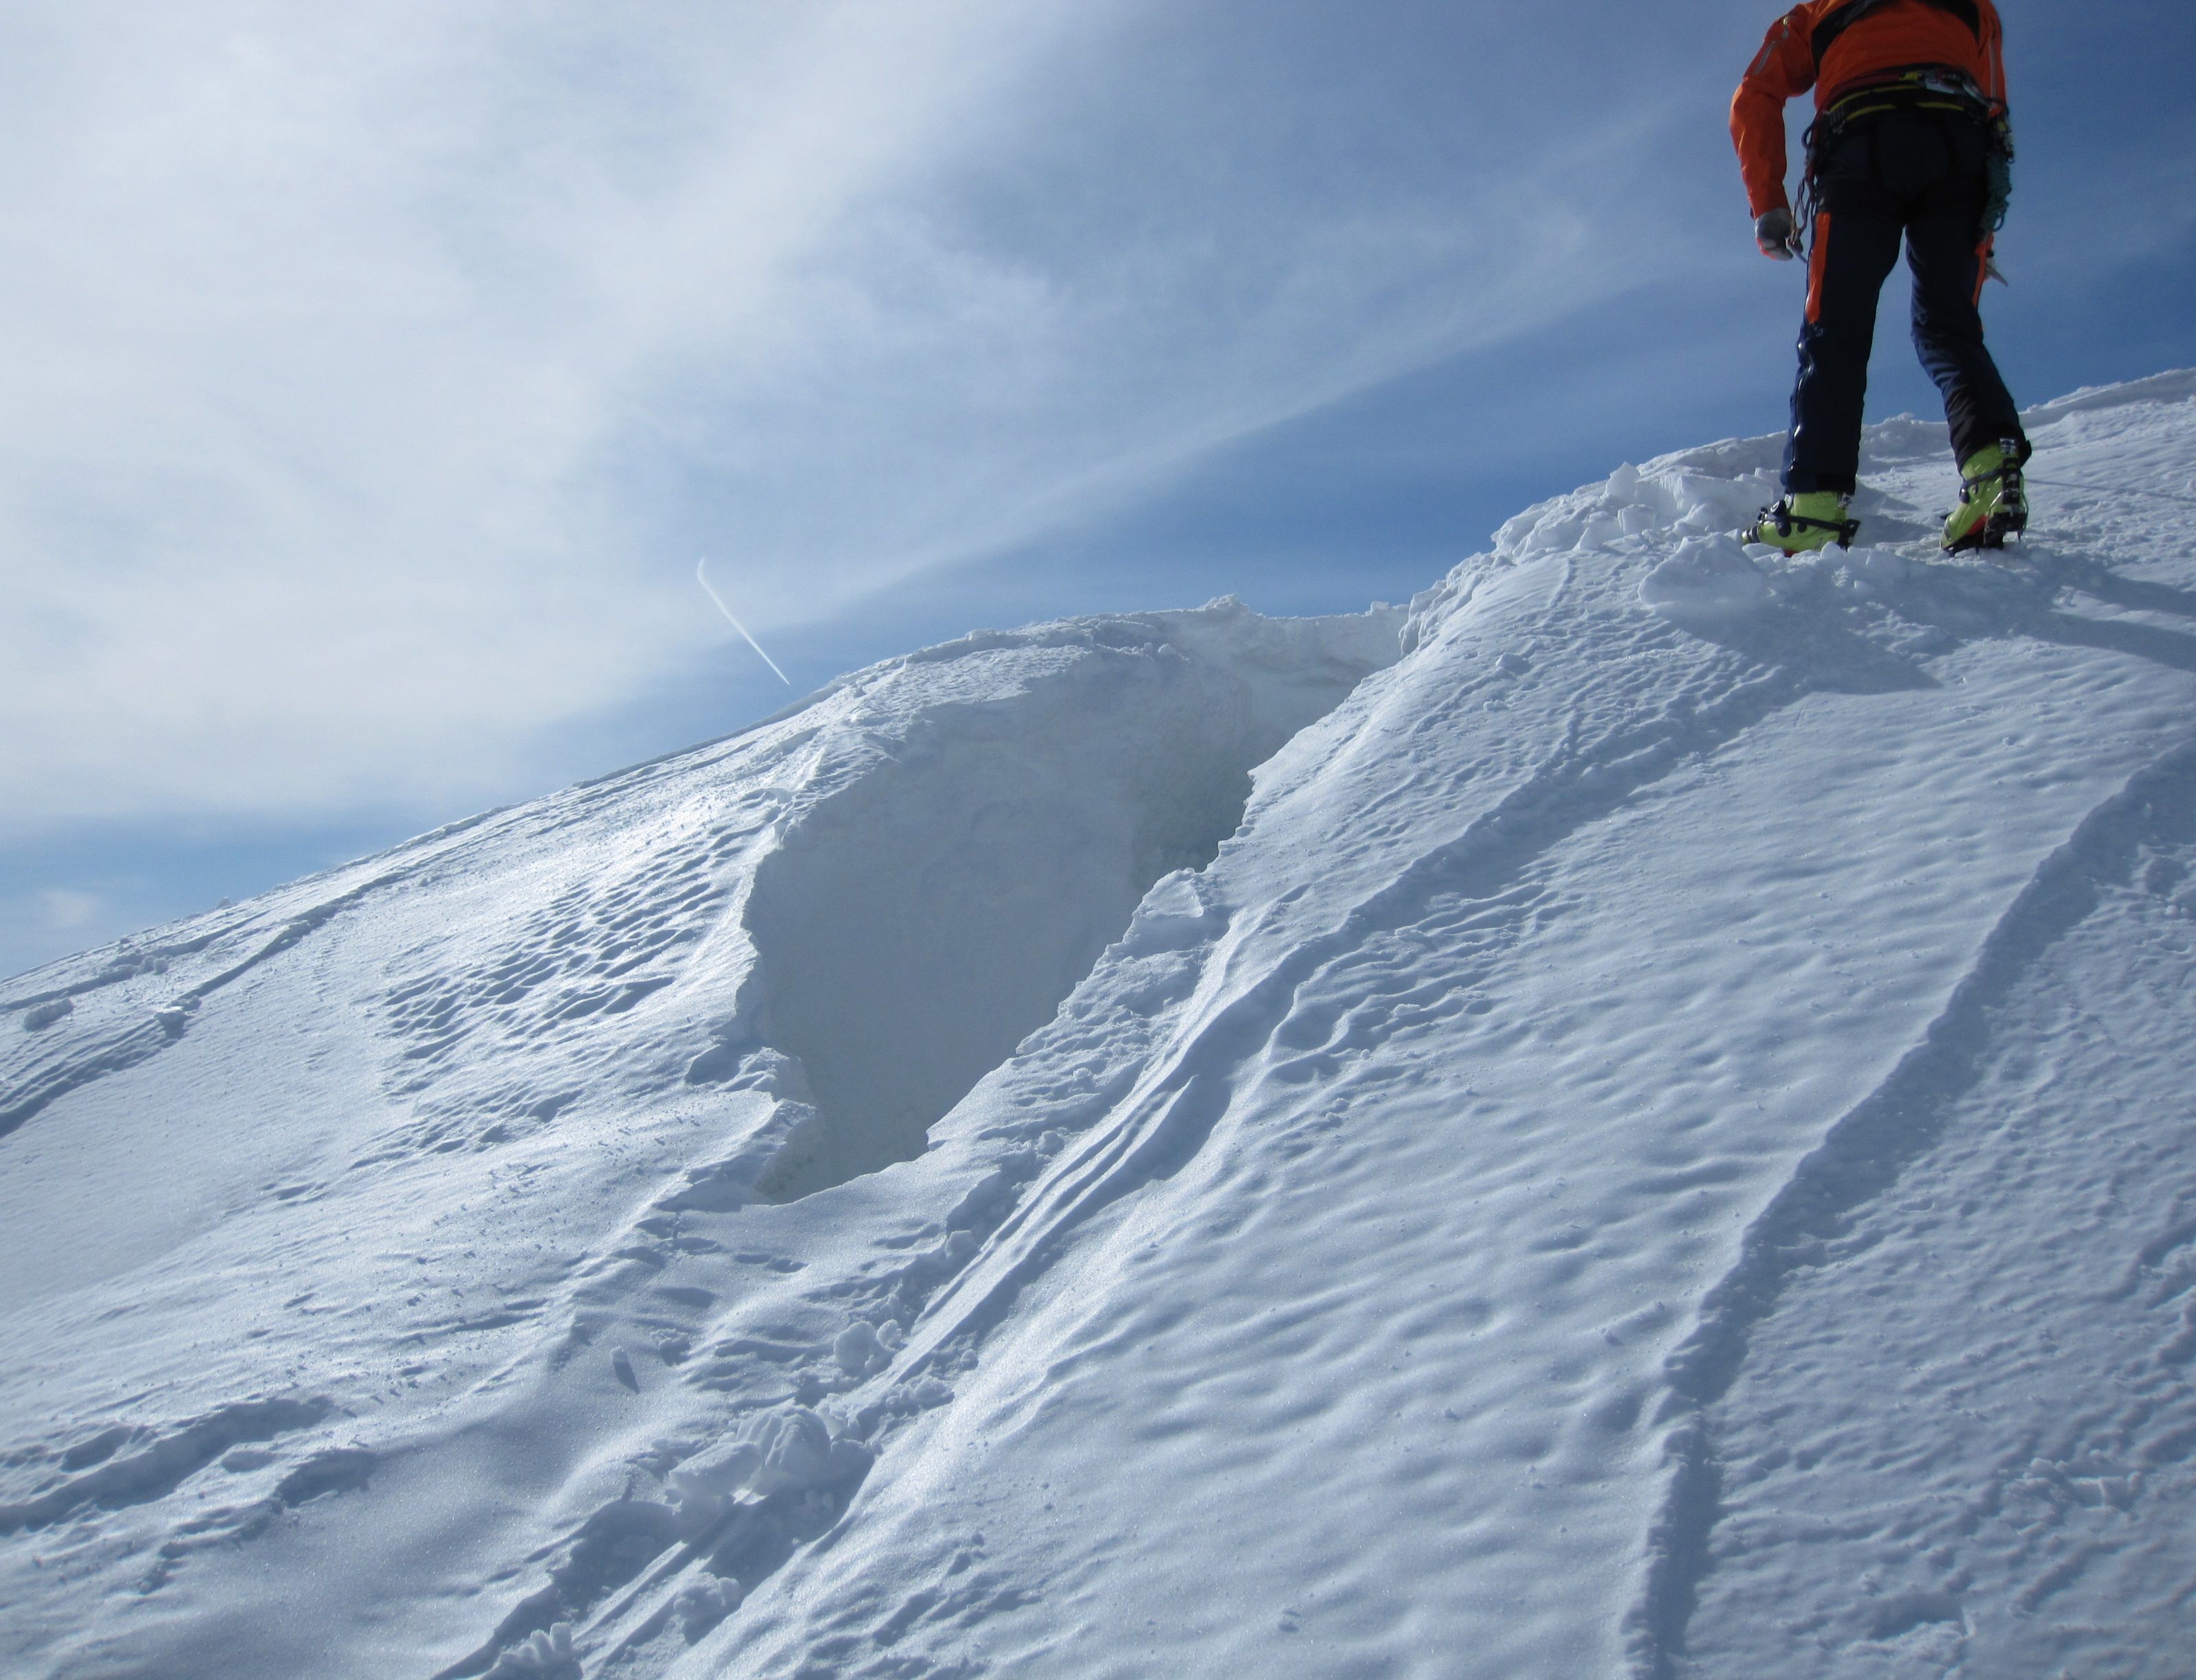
(379, 373)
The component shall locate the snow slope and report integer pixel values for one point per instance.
(1626, 1123)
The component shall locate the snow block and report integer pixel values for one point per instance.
(1708, 577)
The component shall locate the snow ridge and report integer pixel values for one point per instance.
(1171, 1113)
(1186, 1143)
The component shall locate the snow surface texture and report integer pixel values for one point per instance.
(1629, 1123)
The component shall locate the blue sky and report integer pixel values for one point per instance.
(381, 370)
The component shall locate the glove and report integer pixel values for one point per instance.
(1774, 233)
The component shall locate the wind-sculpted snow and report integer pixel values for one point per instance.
(557, 1066)
(2049, 1099)
(1627, 1123)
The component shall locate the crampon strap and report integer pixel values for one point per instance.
(1786, 522)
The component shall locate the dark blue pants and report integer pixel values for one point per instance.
(1919, 174)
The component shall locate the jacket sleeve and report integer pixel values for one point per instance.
(1784, 69)
(1993, 42)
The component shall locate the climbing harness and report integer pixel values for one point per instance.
(1947, 92)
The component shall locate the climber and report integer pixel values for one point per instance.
(1910, 136)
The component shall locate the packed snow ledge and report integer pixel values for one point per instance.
(1629, 1121)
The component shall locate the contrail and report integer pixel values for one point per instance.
(702, 577)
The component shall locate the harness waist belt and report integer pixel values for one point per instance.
(1942, 87)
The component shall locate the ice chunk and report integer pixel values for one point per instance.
(547, 1655)
(708, 1481)
(859, 1351)
(38, 1017)
(703, 1605)
(795, 1445)
(785, 1450)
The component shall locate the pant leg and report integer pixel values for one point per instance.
(1948, 265)
(1854, 251)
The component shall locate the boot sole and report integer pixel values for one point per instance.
(1990, 534)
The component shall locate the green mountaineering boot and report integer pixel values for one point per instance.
(1811, 519)
(1993, 503)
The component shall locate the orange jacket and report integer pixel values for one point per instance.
(1887, 35)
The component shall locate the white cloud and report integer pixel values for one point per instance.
(65, 910)
(378, 371)
(37, 926)
(330, 324)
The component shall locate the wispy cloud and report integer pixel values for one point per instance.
(379, 369)
(334, 328)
